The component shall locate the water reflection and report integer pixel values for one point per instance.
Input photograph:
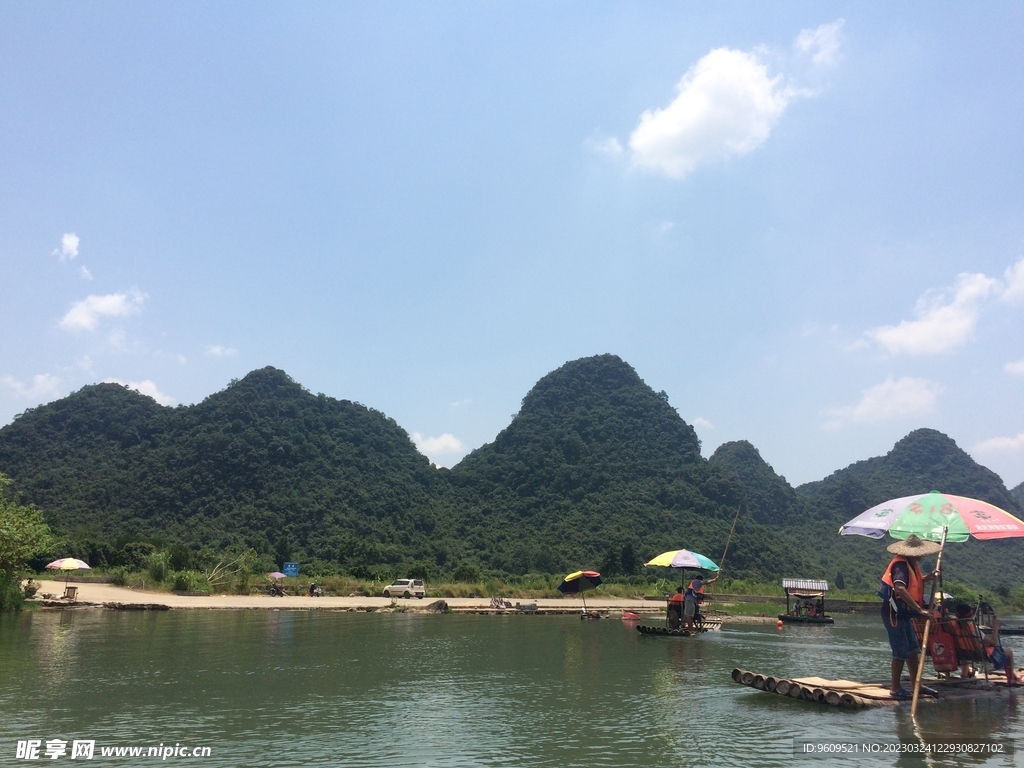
(321, 688)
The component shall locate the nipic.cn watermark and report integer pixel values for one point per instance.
(86, 749)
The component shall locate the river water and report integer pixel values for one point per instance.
(319, 688)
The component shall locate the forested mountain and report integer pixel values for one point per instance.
(922, 461)
(262, 464)
(766, 495)
(595, 470)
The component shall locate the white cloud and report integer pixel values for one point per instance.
(944, 320)
(1013, 283)
(85, 315)
(145, 387)
(85, 273)
(1001, 444)
(216, 350)
(605, 146)
(43, 386)
(727, 106)
(890, 399)
(461, 403)
(446, 444)
(821, 44)
(1015, 368)
(68, 246)
(703, 423)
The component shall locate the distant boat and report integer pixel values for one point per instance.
(810, 602)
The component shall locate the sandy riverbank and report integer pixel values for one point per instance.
(107, 595)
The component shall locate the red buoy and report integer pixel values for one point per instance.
(779, 623)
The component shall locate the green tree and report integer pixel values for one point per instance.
(23, 534)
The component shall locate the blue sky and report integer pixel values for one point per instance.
(804, 222)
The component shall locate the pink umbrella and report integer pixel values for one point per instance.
(276, 575)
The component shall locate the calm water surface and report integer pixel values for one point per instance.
(282, 688)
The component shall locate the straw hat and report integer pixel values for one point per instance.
(914, 547)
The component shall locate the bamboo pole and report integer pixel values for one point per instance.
(721, 563)
(927, 629)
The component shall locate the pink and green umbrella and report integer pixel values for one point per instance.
(927, 515)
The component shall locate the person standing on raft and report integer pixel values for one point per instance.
(694, 597)
(902, 592)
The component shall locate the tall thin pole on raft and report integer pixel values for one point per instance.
(728, 541)
(927, 627)
(721, 563)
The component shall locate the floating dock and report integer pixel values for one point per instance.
(850, 694)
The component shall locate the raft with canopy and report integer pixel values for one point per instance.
(809, 602)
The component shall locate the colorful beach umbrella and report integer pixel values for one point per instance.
(578, 583)
(927, 515)
(683, 558)
(68, 564)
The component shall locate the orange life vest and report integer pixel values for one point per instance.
(915, 579)
(698, 592)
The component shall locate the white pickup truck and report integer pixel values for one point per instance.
(405, 588)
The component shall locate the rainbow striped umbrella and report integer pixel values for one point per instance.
(683, 558)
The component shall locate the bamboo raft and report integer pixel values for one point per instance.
(788, 619)
(707, 626)
(850, 694)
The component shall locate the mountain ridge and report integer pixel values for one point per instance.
(596, 469)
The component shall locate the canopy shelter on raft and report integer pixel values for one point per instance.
(809, 607)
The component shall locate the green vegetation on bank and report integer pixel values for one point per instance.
(23, 535)
(595, 470)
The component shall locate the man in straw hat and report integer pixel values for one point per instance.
(902, 591)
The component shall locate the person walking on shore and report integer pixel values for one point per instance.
(902, 593)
